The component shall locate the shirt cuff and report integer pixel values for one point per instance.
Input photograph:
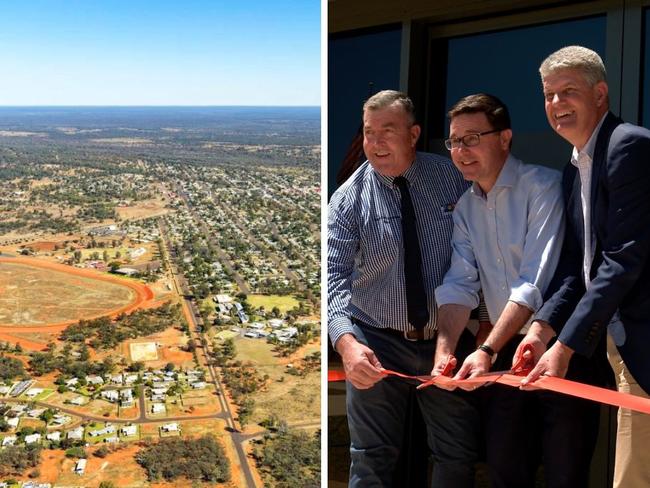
(527, 295)
(447, 294)
(338, 327)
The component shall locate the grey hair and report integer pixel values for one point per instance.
(575, 57)
(386, 98)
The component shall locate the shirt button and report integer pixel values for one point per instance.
(503, 287)
(498, 260)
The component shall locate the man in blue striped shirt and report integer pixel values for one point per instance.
(367, 300)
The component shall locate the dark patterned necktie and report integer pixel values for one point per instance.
(416, 297)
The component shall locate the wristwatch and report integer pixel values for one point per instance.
(486, 349)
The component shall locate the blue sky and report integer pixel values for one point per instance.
(183, 52)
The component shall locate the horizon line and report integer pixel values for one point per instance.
(174, 106)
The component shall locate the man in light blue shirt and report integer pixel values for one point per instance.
(507, 238)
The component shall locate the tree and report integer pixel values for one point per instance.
(246, 411)
(84, 353)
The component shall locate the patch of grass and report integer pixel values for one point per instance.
(226, 334)
(283, 302)
(40, 397)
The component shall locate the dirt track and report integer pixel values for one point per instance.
(144, 297)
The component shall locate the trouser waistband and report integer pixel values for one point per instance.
(409, 335)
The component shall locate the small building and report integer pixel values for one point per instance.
(54, 436)
(33, 392)
(129, 379)
(129, 430)
(76, 434)
(158, 408)
(173, 427)
(94, 380)
(78, 400)
(112, 440)
(36, 412)
(80, 467)
(198, 385)
(13, 422)
(111, 395)
(32, 438)
(10, 440)
(127, 271)
(276, 323)
(60, 419)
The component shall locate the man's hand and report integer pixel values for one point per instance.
(553, 362)
(442, 358)
(477, 363)
(362, 368)
(538, 336)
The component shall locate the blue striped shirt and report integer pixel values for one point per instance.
(365, 262)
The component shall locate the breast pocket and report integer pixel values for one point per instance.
(383, 237)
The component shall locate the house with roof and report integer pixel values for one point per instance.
(80, 467)
(111, 395)
(53, 436)
(10, 440)
(32, 438)
(94, 380)
(129, 430)
(78, 400)
(60, 419)
(33, 392)
(126, 397)
(13, 422)
(76, 434)
(35, 413)
(173, 427)
(158, 408)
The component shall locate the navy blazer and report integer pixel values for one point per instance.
(620, 271)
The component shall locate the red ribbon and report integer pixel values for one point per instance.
(513, 378)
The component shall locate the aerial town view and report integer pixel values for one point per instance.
(159, 297)
(160, 283)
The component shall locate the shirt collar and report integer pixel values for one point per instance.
(590, 147)
(507, 176)
(411, 174)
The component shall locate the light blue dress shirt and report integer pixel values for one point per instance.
(507, 242)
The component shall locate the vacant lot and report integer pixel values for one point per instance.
(283, 302)
(304, 391)
(143, 351)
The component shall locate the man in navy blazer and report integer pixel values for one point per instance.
(602, 283)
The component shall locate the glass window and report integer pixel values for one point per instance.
(359, 66)
(645, 93)
(505, 64)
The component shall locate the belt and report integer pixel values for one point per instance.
(410, 335)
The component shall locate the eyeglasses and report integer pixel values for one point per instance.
(468, 140)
